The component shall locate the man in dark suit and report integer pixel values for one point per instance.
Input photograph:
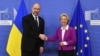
(33, 28)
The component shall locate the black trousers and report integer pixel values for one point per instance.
(34, 52)
(65, 52)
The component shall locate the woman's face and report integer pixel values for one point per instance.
(63, 20)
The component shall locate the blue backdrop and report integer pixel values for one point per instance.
(50, 11)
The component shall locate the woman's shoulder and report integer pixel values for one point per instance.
(71, 28)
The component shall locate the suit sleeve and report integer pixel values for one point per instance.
(54, 38)
(42, 32)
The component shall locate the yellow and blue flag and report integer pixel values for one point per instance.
(83, 47)
(15, 36)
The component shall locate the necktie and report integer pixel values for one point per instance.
(36, 20)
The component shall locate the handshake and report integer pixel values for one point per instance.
(43, 37)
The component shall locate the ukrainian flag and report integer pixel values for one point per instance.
(15, 36)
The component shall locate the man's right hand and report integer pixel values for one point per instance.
(42, 37)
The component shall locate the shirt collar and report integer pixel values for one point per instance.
(67, 26)
(33, 15)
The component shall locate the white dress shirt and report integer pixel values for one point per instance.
(35, 18)
(63, 33)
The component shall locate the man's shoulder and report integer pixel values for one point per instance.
(28, 15)
(41, 18)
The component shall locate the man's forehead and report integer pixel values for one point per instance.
(36, 5)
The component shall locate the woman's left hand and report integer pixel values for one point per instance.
(61, 44)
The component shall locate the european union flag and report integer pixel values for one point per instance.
(83, 47)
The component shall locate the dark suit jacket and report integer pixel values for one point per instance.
(31, 31)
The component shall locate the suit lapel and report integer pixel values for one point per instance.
(33, 24)
(60, 34)
(39, 21)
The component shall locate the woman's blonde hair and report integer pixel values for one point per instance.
(66, 15)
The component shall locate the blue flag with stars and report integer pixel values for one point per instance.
(83, 47)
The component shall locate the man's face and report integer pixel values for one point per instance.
(36, 9)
